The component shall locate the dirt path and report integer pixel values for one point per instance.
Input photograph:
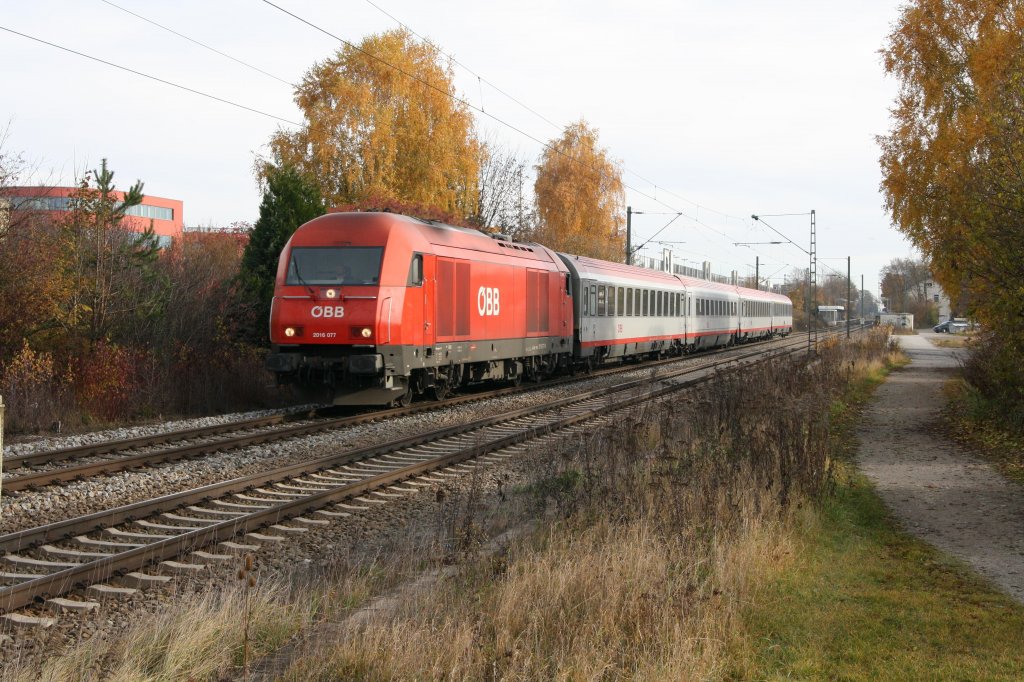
(941, 492)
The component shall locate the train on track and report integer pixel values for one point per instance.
(374, 308)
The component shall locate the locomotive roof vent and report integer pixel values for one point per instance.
(499, 237)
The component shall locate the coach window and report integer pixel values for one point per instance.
(621, 306)
(593, 299)
(662, 304)
(611, 301)
(646, 299)
(586, 303)
(600, 301)
(629, 302)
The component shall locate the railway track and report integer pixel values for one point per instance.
(36, 470)
(52, 560)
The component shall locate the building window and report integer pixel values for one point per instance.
(155, 212)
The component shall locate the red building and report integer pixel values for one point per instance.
(165, 215)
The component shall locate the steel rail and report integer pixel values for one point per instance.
(106, 447)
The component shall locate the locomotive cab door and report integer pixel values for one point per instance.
(425, 302)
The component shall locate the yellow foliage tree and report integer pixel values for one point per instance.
(382, 124)
(953, 168)
(579, 195)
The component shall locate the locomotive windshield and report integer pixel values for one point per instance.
(334, 265)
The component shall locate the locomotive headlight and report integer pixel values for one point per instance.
(331, 293)
(289, 331)
(367, 332)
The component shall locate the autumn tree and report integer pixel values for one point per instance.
(953, 161)
(382, 121)
(289, 200)
(579, 196)
(34, 265)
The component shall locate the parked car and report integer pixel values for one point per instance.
(950, 327)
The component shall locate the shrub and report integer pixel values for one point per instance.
(35, 391)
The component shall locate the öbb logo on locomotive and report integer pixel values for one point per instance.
(488, 301)
(328, 311)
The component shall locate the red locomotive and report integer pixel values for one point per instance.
(371, 308)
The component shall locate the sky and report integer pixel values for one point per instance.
(715, 109)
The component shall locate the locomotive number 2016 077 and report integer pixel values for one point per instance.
(488, 301)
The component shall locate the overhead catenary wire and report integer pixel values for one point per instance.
(480, 79)
(154, 78)
(200, 44)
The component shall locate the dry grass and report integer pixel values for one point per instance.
(950, 341)
(198, 639)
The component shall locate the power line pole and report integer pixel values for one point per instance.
(757, 272)
(812, 283)
(629, 235)
(849, 303)
(862, 299)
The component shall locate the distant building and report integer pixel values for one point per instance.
(831, 315)
(165, 215)
(897, 320)
(937, 297)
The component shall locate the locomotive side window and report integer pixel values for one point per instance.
(416, 271)
(359, 265)
(586, 302)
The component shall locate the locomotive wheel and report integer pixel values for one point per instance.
(405, 399)
(439, 391)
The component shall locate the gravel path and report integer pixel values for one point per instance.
(941, 492)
